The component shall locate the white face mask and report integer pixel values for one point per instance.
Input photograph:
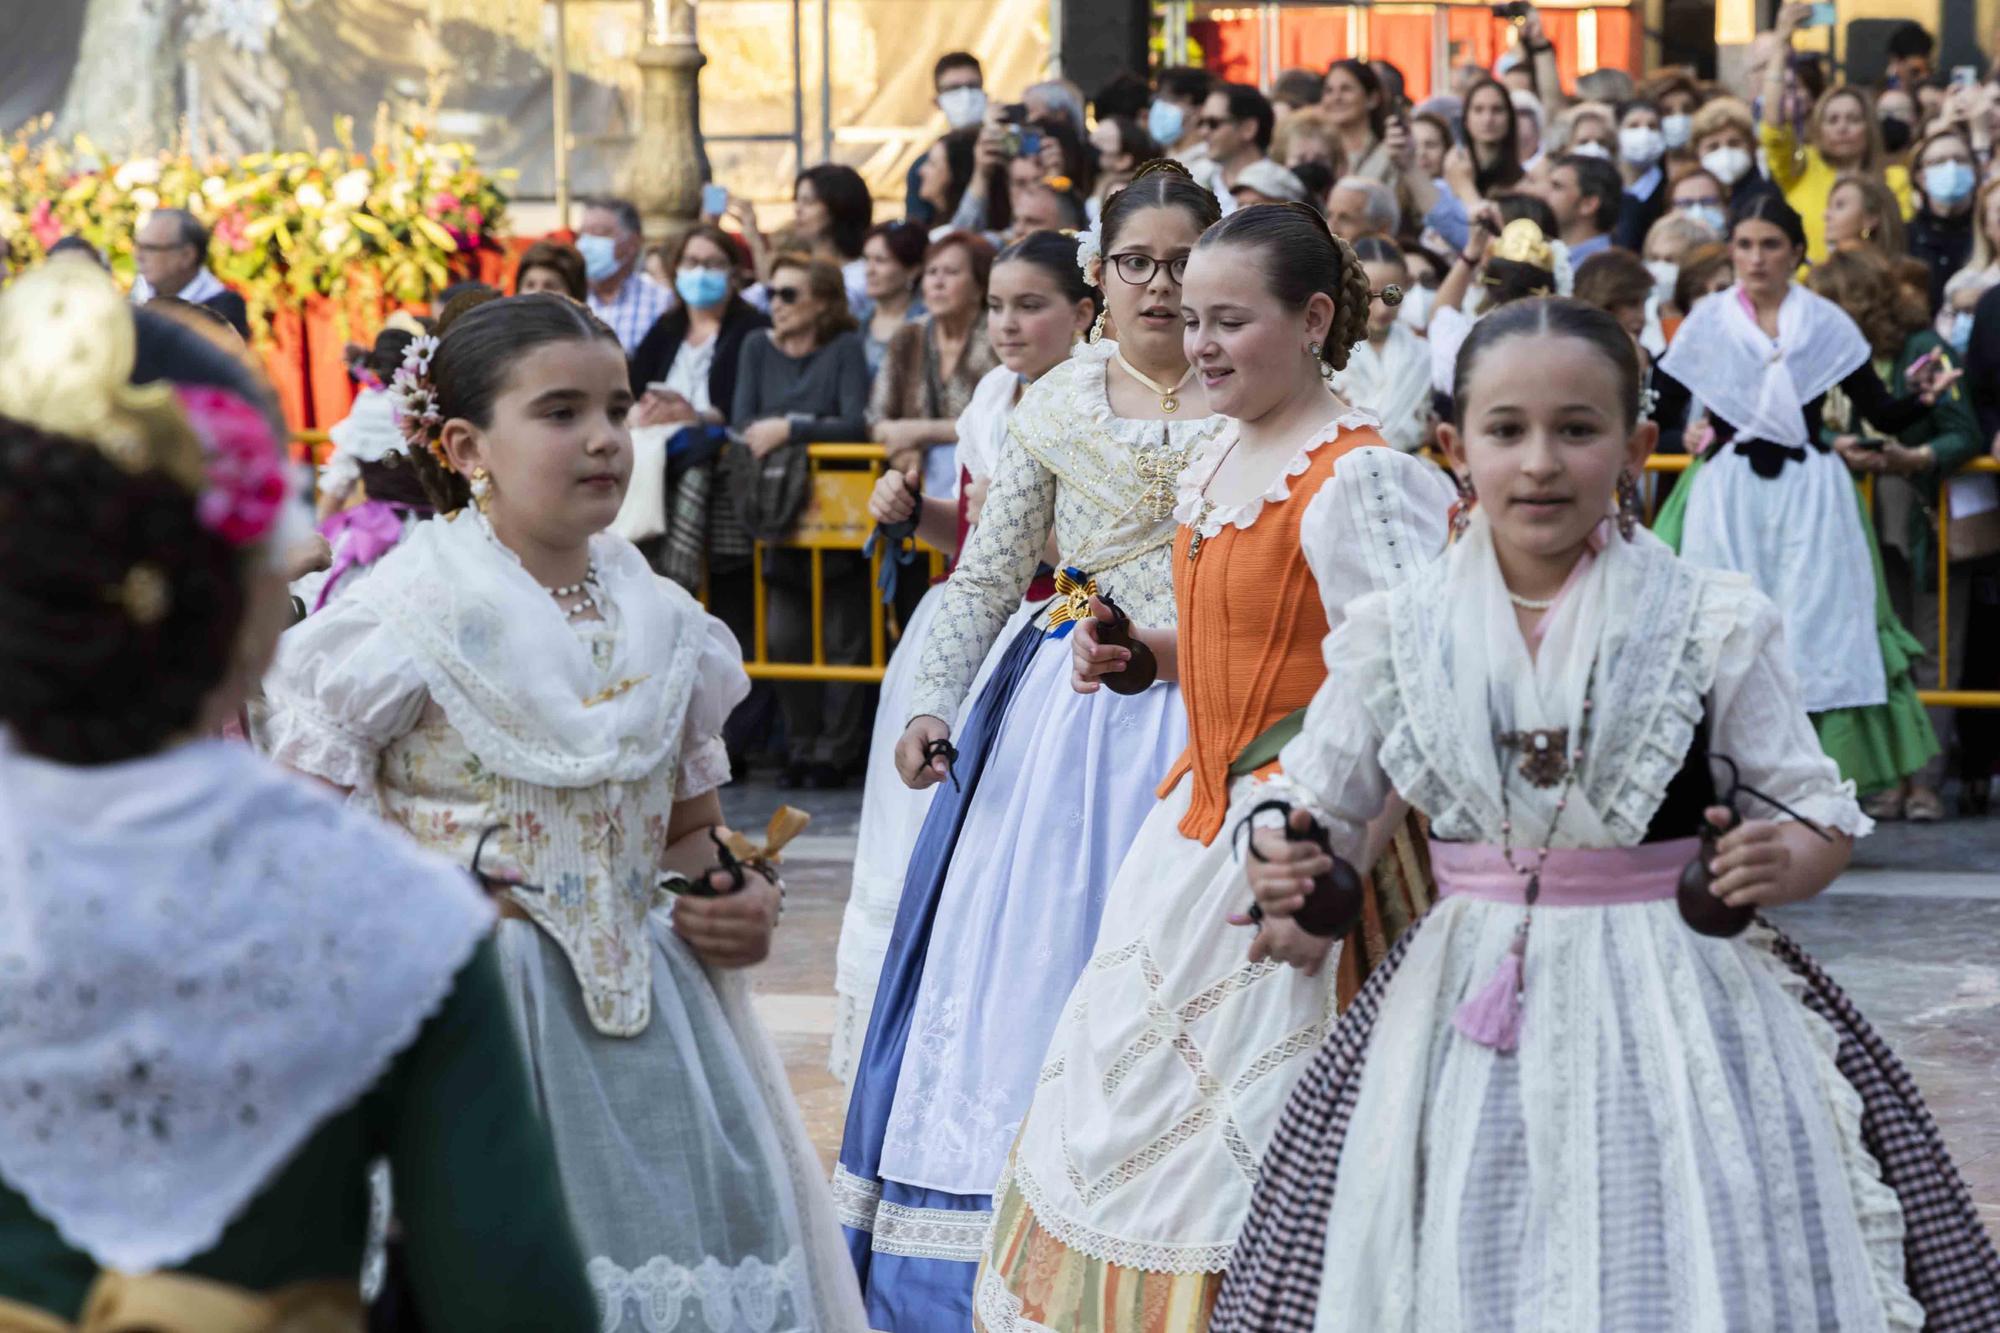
(1728, 165)
(1591, 149)
(1665, 274)
(1641, 145)
(1677, 130)
(962, 106)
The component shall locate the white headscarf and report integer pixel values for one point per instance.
(1756, 384)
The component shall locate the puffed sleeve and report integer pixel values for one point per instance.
(340, 691)
(1377, 520)
(1757, 718)
(720, 684)
(1332, 768)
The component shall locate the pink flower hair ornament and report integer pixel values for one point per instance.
(415, 401)
(245, 489)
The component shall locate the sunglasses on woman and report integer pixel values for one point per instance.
(786, 295)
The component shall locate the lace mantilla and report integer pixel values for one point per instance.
(167, 1040)
(1190, 505)
(712, 1296)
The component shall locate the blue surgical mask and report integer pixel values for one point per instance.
(1164, 121)
(1709, 215)
(1676, 130)
(600, 256)
(1948, 183)
(1960, 336)
(702, 287)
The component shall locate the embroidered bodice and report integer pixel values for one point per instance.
(1250, 614)
(357, 701)
(1105, 484)
(1663, 643)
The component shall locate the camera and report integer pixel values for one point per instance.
(1516, 11)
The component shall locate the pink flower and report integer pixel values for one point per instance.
(444, 203)
(246, 470)
(42, 221)
(474, 219)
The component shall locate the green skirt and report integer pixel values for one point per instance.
(1877, 746)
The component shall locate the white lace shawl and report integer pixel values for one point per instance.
(1393, 382)
(1757, 385)
(1426, 683)
(982, 426)
(201, 961)
(494, 651)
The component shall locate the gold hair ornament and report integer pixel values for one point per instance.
(1522, 242)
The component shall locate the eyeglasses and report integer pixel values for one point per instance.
(1139, 269)
(1710, 202)
(1213, 122)
(146, 249)
(786, 295)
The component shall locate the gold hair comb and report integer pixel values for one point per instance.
(1522, 242)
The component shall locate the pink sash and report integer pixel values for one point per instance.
(1573, 877)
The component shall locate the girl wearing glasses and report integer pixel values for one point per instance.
(1183, 1037)
(1044, 789)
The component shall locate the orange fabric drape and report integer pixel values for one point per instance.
(1404, 40)
(1312, 38)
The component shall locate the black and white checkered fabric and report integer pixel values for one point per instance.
(1274, 1277)
(1949, 1261)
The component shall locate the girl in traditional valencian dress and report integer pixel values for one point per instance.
(223, 994)
(1591, 1089)
(1048, 787)
(1176, 1050)
(516, 688)
(1037, 306)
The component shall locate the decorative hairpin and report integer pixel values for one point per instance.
(1090, 252)
(415, 400)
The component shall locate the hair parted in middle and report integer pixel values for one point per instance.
(1300, 256)
(1160, 183)
(1550, 317)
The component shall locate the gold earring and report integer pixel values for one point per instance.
(481, 485)
(1097, 329)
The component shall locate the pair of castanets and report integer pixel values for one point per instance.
(1138, 674)
(735, 854)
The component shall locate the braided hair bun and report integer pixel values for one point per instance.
(1301, 256)
(119, 609)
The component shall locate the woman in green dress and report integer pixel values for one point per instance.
(221, 994)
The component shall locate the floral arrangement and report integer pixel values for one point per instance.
(399, 220)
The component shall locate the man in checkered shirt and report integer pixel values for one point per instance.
(610, 241)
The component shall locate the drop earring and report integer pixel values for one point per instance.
(481, 484)
(1097, 329)
(1629, 511)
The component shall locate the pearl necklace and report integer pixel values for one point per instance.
(1531, 603)
(1170, 402)
(584, 592)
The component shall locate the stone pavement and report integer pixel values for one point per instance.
(1912, 932)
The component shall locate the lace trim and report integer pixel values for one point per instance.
(299, 737)
(752, 1294)
(999, 1309)
(1878, 1210)
(931, 1233)
(855, 1200)
(1152, 1256)
(1201, 470)
(703, 770)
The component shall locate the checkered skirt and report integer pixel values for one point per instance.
(1273, 1284)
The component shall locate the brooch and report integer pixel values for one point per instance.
(1545, 755)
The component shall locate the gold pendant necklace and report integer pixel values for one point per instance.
(1170, 402)
(1204, 507)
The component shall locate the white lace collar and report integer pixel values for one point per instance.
(1202, 469)
(167, 1040)
(498, 655)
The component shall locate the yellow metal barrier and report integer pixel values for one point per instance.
(836, 519)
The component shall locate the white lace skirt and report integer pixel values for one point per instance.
(1070, 779)
(696, 1195)
(1798, 536)
(1173, 1060)
(891, 817)
(1671, 1147)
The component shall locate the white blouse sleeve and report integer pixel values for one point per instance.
(1332, 768)
(340, 691)
(1757, 718)
(720, 684)
(1377, 520)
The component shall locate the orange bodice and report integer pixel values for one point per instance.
(1251, 626)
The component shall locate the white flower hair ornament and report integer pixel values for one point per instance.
(414, 398)
(1090, 253)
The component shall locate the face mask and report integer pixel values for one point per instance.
(600, 256)
(1895, 133)
(1677, 130)
(1708, 215)
(1164, 121)
(702, 287)
(1961, 331)
(1665, 274)
(1641, 145)
(1948, 183)
(1727, 165)
(962, 106)
(1592, 149)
